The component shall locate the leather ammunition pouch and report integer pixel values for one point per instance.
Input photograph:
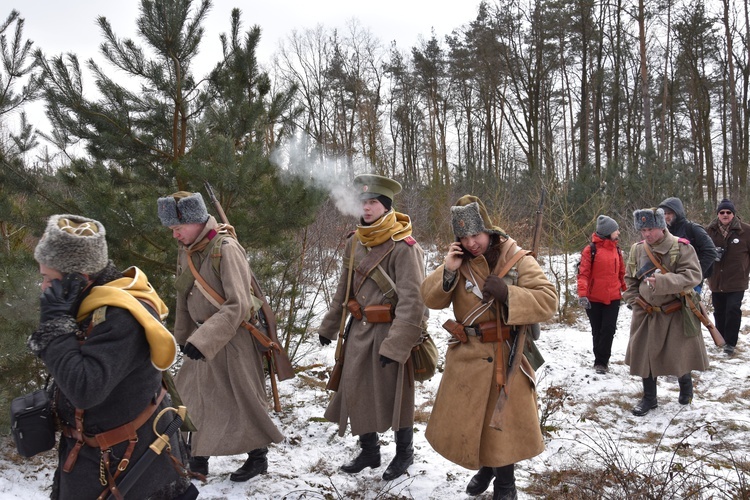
(456, 329)
(379, 313)
(487, 332)
(354, 309)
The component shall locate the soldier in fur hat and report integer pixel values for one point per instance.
(665, 336)
(101, 338)
(221, 379)
(488, 302)
(376, 390)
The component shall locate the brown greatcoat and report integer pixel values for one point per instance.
(658, 345)
(459, 427)
(371, 397)
(225, 393)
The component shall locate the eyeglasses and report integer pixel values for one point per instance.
(725, 212)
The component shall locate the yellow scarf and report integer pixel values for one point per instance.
(124, 293)
(392, 225)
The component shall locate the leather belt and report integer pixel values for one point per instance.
(488, 334)
(106, 440)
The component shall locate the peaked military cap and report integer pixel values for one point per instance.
(372, 186)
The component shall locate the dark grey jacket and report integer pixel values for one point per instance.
(110, 377)
(694, 233)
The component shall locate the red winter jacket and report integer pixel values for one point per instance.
(604, 280)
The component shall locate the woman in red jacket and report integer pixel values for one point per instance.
(601, 281)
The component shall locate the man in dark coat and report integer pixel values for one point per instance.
(106, 362)
(730, 277)
(680, 226)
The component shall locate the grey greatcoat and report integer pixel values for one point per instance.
(459, 426)
(373, 398)
(658, 345)
(225, 393)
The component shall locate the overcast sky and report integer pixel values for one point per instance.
(70, 25)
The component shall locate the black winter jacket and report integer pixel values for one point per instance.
(694, 233)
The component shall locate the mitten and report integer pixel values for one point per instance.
(385, 361)
(324, 341)
(192, 352)
(584, 302)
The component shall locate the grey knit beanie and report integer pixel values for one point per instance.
(605, 226)
(73, 244)
(649, 218)
(182, 207)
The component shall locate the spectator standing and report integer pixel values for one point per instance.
(730, 277)
(601, 280)
(680, 226)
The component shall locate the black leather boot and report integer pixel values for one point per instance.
(480, 482)
(256, 463)
(648, 402)
(199, 465)
(404, 454)
(505, 483)
(368, 457)
(686, 389)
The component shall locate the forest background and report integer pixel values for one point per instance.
(604, 106)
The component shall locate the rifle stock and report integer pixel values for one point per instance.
(716, 335)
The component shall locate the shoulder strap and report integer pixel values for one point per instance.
(656, 262)
(592, 247)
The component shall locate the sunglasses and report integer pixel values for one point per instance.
(725, 212)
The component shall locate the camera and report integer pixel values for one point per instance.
(720, 251)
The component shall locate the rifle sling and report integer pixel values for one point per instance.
(217, 300)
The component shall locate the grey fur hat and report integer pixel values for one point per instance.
(469, 217)
(605, 226)
(649, 218)
(73, 244)
(182, 207)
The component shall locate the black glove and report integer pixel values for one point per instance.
(192, 352)
(494, 286)
(61, 296)
(385, 361)
(323, 340)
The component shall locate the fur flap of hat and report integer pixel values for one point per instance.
(182, 208)
(649, 218)
(73, 244)
(606, 226)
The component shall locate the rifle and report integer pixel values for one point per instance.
(519, 340)
(338, 368)
(278, 360)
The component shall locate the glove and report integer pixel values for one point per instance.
(61, 296)
(496, 287)
(584, 302)
(324, 341)
(385, 361)
(192, 352)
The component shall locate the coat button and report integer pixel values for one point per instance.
(489, 359)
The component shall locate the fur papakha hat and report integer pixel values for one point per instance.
(469, 216)
(182, 207)
(606, 226)
(649, 218)
(73, 244)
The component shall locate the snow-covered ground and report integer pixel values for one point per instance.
(594, 421)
